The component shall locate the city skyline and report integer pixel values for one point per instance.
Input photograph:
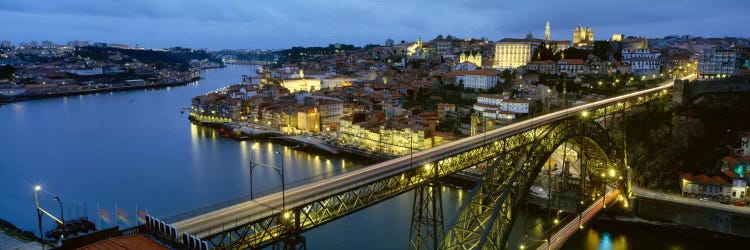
(277, 25)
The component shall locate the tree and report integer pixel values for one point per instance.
(572, 53)
(543, 53)
(7, 71)
(602, 49)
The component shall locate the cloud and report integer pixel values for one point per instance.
(280, 24)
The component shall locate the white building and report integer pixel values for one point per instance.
(642, 61)
(498, 107)
(570, 67)
(476, 79)
(542, 67)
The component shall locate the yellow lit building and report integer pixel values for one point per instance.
(583, 37)
(472, 57)
(308, 120)
(511, 53)
(387, 140)
(301, 83)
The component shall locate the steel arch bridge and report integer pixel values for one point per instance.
(516, 153)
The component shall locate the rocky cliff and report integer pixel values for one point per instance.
(664, 141)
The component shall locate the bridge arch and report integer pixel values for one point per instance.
(485, 219)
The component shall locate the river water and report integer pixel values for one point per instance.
(136, 149)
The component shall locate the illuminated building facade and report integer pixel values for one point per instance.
(718, 63)
(511, 53)
(394, 141)
(301, 83)
(583, 37)
(642, 61)
(472, 57)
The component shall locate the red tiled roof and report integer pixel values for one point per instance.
(492, 96)
(687, 176)
(730, 159)
(548, 62)
(701, 178)
(484, 72)
(718, 180)
(730, 174)
(516, 101)
(572, 61)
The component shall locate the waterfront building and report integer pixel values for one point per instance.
(617, 37)
(511, 53)
(308, 119)
(718, 63)
(704, 186)
(387, 138)
(583, 37)
(642, 61)
(9, 91)
(475, 79)
(330, 111)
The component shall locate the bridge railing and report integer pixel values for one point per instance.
(248, 197)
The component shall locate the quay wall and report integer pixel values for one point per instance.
(693, 216)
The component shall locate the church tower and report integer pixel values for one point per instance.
(547, 32)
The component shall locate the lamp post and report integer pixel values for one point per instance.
(278, 170)
(62, 216)
(38, 212)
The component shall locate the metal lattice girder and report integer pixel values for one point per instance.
(486, 204)
(486, 218)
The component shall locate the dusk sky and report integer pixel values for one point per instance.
(282, 24)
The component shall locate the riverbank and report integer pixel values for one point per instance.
(11, 99)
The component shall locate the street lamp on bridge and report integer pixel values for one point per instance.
(279, 170)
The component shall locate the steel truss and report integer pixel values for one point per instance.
(427, 216)
(486, 218)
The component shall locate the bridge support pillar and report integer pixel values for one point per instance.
(427, 217)
(293, 242)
